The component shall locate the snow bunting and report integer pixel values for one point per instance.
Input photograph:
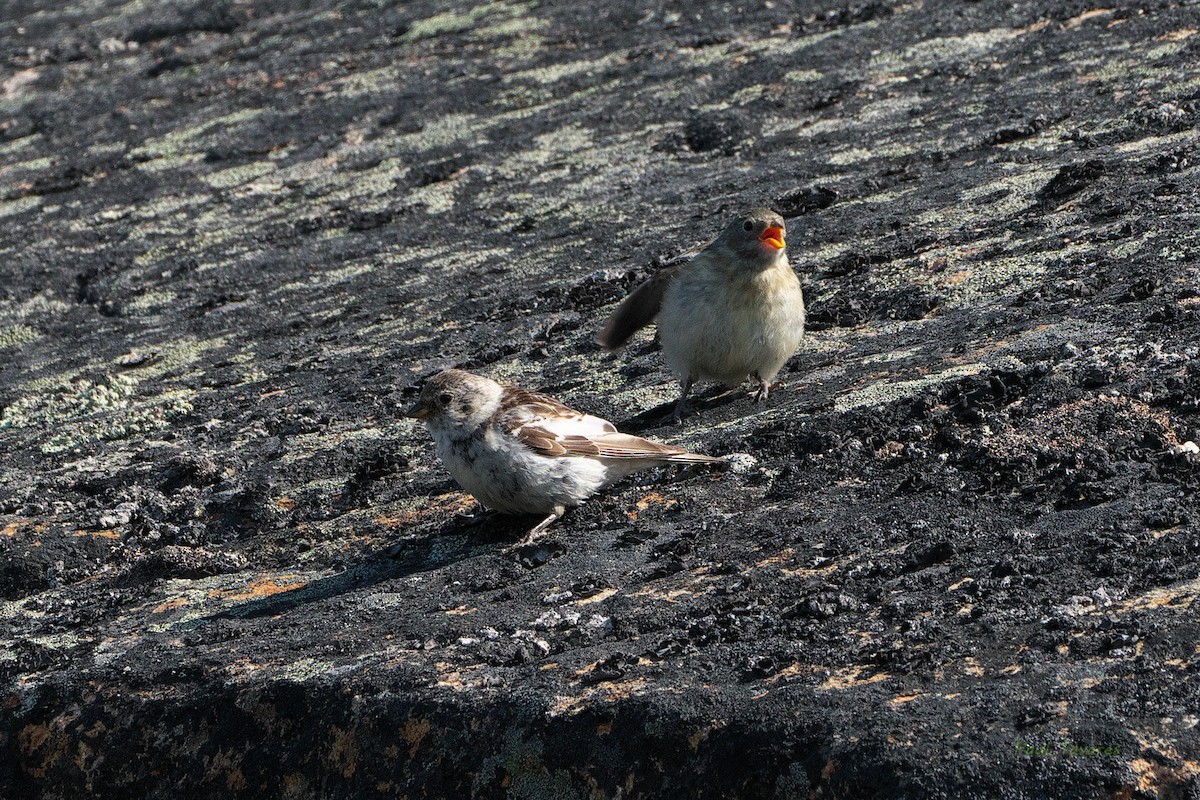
(520, 452)
(732, 311)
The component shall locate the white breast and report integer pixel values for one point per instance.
(507, 476)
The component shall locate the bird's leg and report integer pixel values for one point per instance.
(764, 388)
(681, 404)
(541, 527)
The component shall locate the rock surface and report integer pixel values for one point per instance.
(961, 557)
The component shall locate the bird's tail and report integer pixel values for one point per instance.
(636, 311)
(693, 458)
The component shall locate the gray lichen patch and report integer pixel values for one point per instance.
(310, 445)
(70, 410)
(236, 176)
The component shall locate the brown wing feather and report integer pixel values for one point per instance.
(540, 441)
(518, 406)
(637, 310)
(624, 445)
(609, 445)
(520, 410)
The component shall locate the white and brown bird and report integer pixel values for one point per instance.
(733, 311)
(520, 452)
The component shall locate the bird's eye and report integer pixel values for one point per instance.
(747, 225)
(444, 398)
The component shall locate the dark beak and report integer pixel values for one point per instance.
(416, 411)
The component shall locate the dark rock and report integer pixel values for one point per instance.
(955, 556)
(723, 131)
(1071, 180)
(803, 201)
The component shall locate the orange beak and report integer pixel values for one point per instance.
(772, 236)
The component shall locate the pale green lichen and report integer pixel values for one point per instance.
(32, 165)
(522, 47)
(980, 284)
(806, 126)
(891, 108)
(151, 301)
(69, 410)
(458, 21)
(107, 148)
(1151, 143)
(524, 28)
(851, 155)
(748, 94)
(448, 129)
(329, 277)
(17, 335)
(9, 149)
(10, 208)
(307, 445)
(803, 75)
(370, 81)
(236, 176)
(184, 142)
(82, 411)
(437, 198)
(70, 401)
(556, 72)
(968, 47)
(172, 356)
(524, 101)
(1163, 50)
(1015, 192)
(167, 163)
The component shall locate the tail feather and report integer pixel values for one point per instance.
(624, 445)
(694, 458)
(637, 310)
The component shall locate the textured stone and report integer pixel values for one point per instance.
(958, 557)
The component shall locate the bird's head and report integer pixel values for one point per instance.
(454, 399)
(756, 236)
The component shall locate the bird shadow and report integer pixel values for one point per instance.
(660, 416)
(458, 539)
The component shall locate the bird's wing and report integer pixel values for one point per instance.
(551, 428)
(520, 407)
(638, 309)
(542, 423)
(605, 445)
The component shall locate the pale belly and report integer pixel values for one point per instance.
(505, 476)
(711, 334)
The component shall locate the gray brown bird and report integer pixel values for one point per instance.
(520, 452)
(733, 311)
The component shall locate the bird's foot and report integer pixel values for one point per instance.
(539, 529)
(532, 553)
(681, 405)
(677, 414)
(764, 390)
